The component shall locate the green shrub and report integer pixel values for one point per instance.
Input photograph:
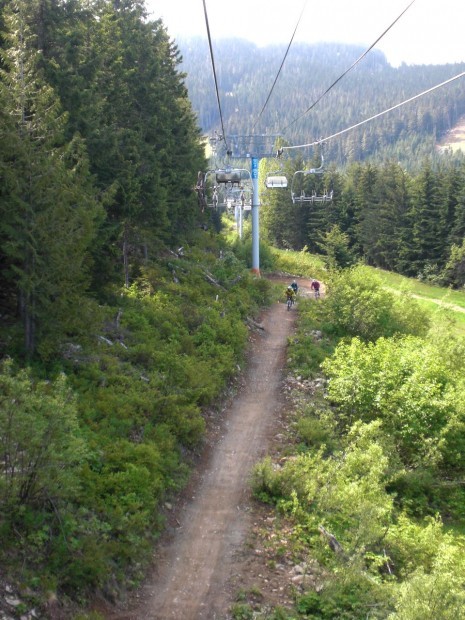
(414, 544)
(242, 611)
(266, 480)
(356, 304)
(348, 595)
(106, 451)
(316, 431)
(436, 594)
(416, 491)
(407, 385)
(42, 445)
(300, 263)
(243, 250)
(395, 431)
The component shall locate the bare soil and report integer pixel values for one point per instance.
(455, 137)
(211, 550)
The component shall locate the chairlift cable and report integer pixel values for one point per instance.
(282, 64)
(214, 71)
(367, 120)
(349, 69)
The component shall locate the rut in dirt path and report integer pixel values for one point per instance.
(193, 573)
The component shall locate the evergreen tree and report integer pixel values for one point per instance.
(457, 232)
(48, 205)
(392, 190)
(425, 216)
(277, 213)
(318, 211)
(120, 83)
(345, 211)
(368, 207)
(335, 246)
(452, 223)
(453, 273)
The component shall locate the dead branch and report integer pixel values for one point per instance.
(333, 543)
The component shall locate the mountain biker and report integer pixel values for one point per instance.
(315, 286)
(295, 286)
(290, 294)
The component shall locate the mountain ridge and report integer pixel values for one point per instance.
(311, 98)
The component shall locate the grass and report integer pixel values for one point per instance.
(434, 308)
(434, 298)
(300, 263)
(446, 296)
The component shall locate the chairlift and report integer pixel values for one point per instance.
(276, 179)
(227, 188)
(201, 191)
(300, 194)
(299, 191)
(313, 197)
(239, 196)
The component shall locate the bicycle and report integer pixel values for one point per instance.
(289, 303)
(315, 287)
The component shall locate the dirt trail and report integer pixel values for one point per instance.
(192, 580)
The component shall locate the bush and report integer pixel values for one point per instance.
(316, 426)
(243, 250)
(42, 445)
(409, 386)
(437, 594)
(300, 263)
(84, 470)
(453, 273)
(356, 304)
(266, 481)
(395, 429)
(242, 611)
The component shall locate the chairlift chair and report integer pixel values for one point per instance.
(214, 192)
(238, 197)
(276, 179)
(223, 187)
(298, 190)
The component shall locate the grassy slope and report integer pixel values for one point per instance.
(435, 298)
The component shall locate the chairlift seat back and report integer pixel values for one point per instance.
(276, 181)
(228, 176)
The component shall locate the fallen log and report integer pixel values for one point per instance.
(333, 543)
(251, 323)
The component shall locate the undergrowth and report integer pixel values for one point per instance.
(98, 441)
(367, 490)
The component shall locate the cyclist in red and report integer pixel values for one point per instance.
(315, 286)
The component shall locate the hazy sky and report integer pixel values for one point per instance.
(430, 32)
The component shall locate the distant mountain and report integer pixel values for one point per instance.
(245, 75)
